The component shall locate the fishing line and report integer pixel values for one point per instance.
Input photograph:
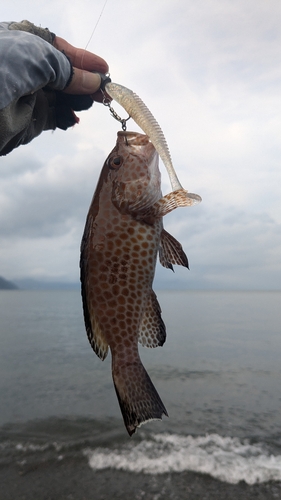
(107, 101)
(96, 23)
(104, 5)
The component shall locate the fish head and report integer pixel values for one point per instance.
(134, 172)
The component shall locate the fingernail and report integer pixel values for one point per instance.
(91, 82)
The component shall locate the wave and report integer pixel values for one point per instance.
(105, 445)
(225, 458)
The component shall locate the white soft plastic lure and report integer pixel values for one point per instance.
(136, 108)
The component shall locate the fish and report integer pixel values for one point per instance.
(122, 238)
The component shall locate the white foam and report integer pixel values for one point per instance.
(30, 447)
(225, 458)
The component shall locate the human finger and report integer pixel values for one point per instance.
(83, 82)
(80, 58)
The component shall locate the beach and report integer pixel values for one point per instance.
(74, 480)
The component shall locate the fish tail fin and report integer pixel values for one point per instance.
(138, 399)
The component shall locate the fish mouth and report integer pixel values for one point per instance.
(138, 145)
(133, 138)
(130, 134)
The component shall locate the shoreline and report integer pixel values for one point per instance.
(73, 479)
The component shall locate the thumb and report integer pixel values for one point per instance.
(83, 82)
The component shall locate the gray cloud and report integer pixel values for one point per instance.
(45, 200)
(210, 72)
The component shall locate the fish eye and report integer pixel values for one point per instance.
(115, 162)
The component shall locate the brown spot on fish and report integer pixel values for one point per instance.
(120, 307)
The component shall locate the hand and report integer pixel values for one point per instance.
(83, 62)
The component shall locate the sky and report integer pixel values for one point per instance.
(210, 72)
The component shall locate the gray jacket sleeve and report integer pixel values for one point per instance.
(29, 63)
(32, 75)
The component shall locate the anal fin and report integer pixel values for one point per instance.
(152, 331)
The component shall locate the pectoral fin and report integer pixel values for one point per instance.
(169, 202)
(171, 251)
(152, 331)
(175, 199)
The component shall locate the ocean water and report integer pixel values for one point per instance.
(218, 374)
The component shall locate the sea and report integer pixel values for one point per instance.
(218, 374)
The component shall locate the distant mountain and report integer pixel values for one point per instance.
(32, 284)
(7, 285)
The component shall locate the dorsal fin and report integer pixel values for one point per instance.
(96, 339)
(94, 333)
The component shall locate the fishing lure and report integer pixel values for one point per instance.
(143, 117)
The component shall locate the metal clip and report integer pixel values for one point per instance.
(123, 121)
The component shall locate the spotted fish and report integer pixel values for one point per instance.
(122, 237)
